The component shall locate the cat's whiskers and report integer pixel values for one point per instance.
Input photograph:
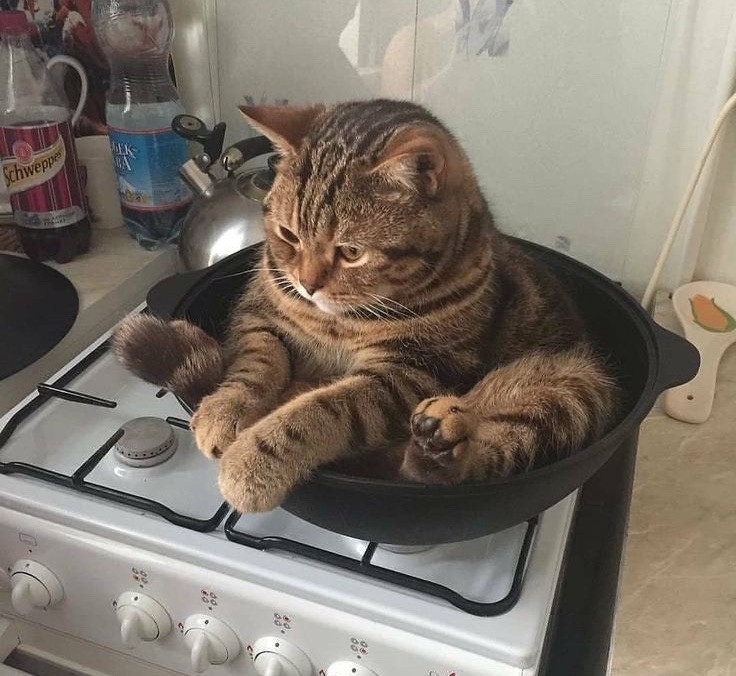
(389, 312)
(285, 285)
(386, 299)
(248, 271)
(373, 311)
(234, 274)
(381, 313)
(382, 308)
(357, 309)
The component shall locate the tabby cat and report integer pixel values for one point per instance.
(435, 348)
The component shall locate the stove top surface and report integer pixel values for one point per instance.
(74, 434)
(60, 436)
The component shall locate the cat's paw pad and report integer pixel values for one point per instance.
(250, 475)
(438, 425)
(218, 419)
(439, 448)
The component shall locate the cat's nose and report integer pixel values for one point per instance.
(311, 287)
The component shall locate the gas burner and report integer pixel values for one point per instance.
(146, 442)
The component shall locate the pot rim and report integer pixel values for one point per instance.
(646, 327)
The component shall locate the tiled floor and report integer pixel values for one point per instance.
(677, 608)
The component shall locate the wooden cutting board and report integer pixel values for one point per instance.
(707, 313)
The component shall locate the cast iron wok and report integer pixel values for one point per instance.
(648, 359)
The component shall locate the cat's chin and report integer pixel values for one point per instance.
(326, 306)
(319, 301)
(327, 309)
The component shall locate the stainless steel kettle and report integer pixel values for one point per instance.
(227, 212)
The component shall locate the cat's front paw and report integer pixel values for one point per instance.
(441, 449)
(253, 474)
(219, 417)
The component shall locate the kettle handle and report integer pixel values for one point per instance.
(242, 151)
(192, 128)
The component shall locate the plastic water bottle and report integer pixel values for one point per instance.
(141, 102)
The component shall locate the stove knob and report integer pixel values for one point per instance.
(348, 669)
(276, 657)
(210, 641)
(141, 618)
(33, 586)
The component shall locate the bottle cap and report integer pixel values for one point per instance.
(13, 21)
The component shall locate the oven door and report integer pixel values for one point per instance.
(21, 663)
(32, 650)
(9, 640)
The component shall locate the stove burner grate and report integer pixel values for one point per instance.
(77, 480)
(364, 566)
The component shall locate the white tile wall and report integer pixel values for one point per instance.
(554, 110)
(305, 51)
(557, 127)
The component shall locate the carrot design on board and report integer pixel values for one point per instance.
(710, 316)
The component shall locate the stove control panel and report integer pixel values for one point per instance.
(141, 619)
(187, 618)
(210, 642)
(33, 586)
(277, 657)
(349, 669)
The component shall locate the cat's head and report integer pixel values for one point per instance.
(367, 203)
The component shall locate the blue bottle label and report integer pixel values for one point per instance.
(147, 163)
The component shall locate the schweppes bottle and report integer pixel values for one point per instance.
(39, 162)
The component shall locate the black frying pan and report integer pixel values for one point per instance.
(38, 306)
(649, 359)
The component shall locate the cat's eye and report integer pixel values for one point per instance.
(351, 252)
(287, 235)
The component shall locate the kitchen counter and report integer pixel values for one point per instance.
(111, 280)
(677, 604)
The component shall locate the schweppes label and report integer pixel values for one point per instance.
(26, 168)
(40, 171)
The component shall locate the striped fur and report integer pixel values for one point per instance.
(384, 282)
(175, 355)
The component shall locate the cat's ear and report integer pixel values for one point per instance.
(420, 158)
(285, 126)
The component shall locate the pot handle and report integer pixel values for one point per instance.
(678, 359)
(166, 295)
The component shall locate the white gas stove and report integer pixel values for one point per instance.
(119, 557)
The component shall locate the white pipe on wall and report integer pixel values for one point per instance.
(699, 64)
(195, 56)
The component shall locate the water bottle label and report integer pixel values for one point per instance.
(147, 165)
(41, 174)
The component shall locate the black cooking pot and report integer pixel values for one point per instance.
(649, 359)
